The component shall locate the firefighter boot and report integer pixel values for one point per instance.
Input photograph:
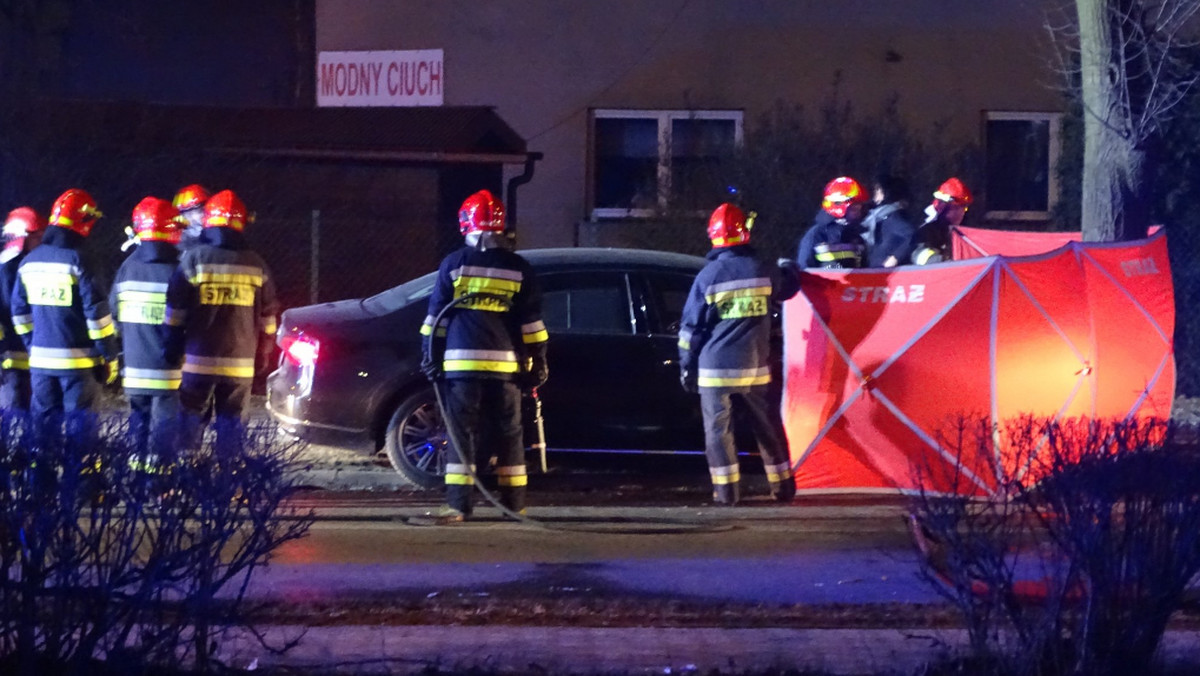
(726, 494)
(783, 491)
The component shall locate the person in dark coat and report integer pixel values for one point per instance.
(932, 242)
(888, 228)
(23, 230)
(724, 354)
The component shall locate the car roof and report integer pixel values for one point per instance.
(617, 257)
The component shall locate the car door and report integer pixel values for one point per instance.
(659, 297)
(600, 394)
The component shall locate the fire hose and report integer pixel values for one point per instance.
(539, 444)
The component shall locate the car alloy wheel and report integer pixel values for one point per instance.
(417, 444)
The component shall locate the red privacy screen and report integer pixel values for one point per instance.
(878, 365)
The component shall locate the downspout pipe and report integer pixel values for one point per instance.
(510, 195)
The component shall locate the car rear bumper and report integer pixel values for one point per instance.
(288, 411)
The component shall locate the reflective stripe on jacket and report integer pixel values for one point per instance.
(58, 308)
(221, 307)
(490, 336)
(725, 331)
(139, 299)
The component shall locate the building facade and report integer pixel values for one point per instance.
(621, 96)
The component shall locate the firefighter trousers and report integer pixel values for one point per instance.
(719, 408)
(15, 389)
(202, 395)
(154, 423)
(486, 417)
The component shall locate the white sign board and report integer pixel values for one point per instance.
(401, 78)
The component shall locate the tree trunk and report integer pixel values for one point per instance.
(1115, 164)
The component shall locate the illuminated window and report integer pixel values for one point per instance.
(647, 160)
(1022, 156)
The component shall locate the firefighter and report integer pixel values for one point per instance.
(23, 230)
(888, 229)
(494, 347)
(190, 203)
(220, 316)
(724, 354)
(835, 239)
(61, 313)
(949, 207)
(139, 298)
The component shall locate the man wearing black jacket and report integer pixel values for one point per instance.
(889, 231)
(724, 354)
(495, 344)
(139, 298)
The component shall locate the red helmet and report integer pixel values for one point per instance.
(481, 212)
(225, 210)
(190, 197)
(75, 210)
(840, 193)
(156, 220)
(22, 221)
(728, 226)
(954, 192)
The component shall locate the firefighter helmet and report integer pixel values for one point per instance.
(75, 210)
(954, 192)
(728, 226)
(156, 220)
(21, 222)
(190, 197)
(840, 194)
(481, 212)
(225, 210)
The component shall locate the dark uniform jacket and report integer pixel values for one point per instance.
(59, 310)
(221, 307)
(891, 234)
(931, 243)
(139, 299)
(486, 337)
(725, 331)
(829, 243)
(12, 348)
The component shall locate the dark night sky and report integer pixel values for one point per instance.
(220, 52)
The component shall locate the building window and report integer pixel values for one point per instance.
(1022, 156)
(644, 161)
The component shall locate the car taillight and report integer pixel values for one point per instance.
(300, 349)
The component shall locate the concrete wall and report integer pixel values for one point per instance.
(545, 63)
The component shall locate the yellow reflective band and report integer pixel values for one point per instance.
(1, 332)
(14, 361)
(426, 330)
(521, 480)
(205, 277)
(480, 365)
(151, 383)
(63, 363)
(104, 332)
(729, 294)
(459, 480)
(23, 329)
(723, 479)
(270, 327)
(742, 381)
(230, 371)
(538, 337)
(829, 256)
(155, 236)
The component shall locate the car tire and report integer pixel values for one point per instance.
(416, 441)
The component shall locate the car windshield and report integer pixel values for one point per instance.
(398, 296)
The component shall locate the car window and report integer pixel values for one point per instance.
(668, 293)
(398, 296)
(585, 302)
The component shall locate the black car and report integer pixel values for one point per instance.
(349, 371)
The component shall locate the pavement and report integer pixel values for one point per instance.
(371, 584)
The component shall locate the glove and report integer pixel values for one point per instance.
(112, 368)
(431, 369)
(537, 375)
(687, 379)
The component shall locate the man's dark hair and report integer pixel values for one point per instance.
(895, 189)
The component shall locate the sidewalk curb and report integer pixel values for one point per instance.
(638, 650)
